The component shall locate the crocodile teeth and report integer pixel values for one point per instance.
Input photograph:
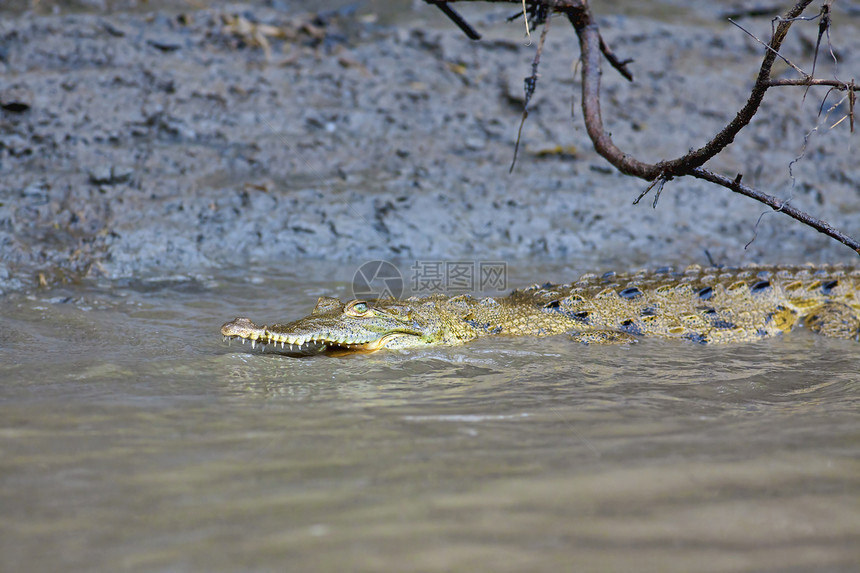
(253, 344)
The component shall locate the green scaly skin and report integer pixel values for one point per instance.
(711, 305)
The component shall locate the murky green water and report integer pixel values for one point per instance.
(132, 439)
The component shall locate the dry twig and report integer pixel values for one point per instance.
(530, 84)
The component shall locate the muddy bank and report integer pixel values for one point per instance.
(141, 144)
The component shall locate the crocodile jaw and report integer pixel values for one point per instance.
(243, 329)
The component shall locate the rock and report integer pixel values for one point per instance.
(110, 174)
(16, 99)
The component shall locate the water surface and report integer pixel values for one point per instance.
(133, 439)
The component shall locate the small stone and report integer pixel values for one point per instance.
(100, 175)
(36, 193)
(16, 99)
(164, 44)
(112, 29)
(121, 174)
(110, 174)
(474, 143)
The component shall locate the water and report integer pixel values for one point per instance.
(132, 439)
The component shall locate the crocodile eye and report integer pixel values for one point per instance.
(357, 308)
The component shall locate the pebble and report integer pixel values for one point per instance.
(110, 174)
(16, 99)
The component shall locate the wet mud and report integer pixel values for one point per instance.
(182, 141)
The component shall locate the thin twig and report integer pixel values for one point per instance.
(808, 81)
(455, 17)
(780, 56)
(778, 205)
(808, 134)
(615, 61)
(526, 20)
(660, 182)
(823, 28)
(530, 85)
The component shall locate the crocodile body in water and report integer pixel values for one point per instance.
(710, 305)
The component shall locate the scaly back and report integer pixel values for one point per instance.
(704, 305)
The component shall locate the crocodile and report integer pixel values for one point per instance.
(701, 305)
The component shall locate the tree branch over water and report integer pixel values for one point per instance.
(593, 49)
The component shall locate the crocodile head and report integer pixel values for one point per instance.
(357, 325)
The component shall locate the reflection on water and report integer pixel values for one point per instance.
(131, 438)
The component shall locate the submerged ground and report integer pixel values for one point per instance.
(170, 141)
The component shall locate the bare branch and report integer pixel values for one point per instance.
(455, 17)
(777, 205)
(840, 85)
(592, 47)
(615, 62)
